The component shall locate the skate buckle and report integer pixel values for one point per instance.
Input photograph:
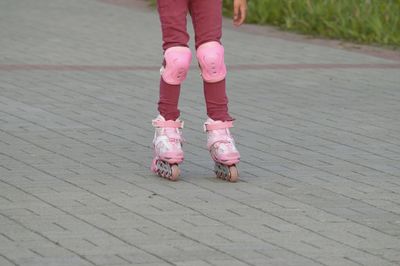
(218, 125)
(175, 140)
(169, 123)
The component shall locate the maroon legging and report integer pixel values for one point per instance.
(207, 22)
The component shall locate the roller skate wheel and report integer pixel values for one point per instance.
(168, 171)
(226, 172)
(234, 173)
(175, 171)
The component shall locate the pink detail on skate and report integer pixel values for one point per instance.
(177, 64)
(167, 140)
(167, 124)
(153, 167)
(211, 59)
(169, 150)
(218, 125)
(172, 157)
(220, 142)
(222, 152)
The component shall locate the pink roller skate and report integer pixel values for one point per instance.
(167, 145)
(222, 149)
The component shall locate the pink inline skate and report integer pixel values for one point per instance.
(222, 149)
(167, 145)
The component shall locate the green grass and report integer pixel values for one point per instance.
(363, 21)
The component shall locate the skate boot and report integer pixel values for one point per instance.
(167, 145)
(222, 149)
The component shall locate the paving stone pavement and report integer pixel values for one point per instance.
(318, 128)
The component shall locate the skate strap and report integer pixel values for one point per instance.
(169, 123)
(218, 125)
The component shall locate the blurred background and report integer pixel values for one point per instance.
(363, 21)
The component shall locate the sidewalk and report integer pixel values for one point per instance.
(318, 128)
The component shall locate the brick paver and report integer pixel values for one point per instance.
(318, 128)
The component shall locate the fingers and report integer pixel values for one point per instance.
(239, 12)
(236, 10)
(243, 10)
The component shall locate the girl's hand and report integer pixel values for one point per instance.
(239, 11)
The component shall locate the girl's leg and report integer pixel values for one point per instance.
(216, 100)
(168, 102)
(167, 142)
(173, 26)
(173, 22)
(207, 22)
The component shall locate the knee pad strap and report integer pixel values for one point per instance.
(211, 59)
(177, 63)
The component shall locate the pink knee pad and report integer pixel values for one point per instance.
(178, 61)
(211, 59)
